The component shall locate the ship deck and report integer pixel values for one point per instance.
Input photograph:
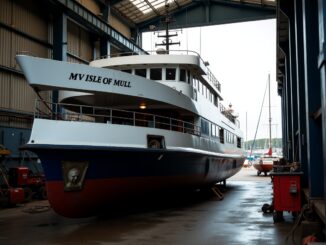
(188, 218)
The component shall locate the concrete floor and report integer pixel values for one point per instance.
(189, 218)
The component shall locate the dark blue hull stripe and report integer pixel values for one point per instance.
(123, 163)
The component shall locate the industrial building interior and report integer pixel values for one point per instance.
(80, 31)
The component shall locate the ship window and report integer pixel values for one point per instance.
(213, 130)
(156, 74)
(238, 142)
(204, 127)
(170, 73)
(127, 71)
(140, 72)
(215, 100)
(188, 77)
(194, 82)
(182, 75)
(195, 94)
(221, 135)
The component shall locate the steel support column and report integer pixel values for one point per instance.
(301, 100)
(60, 42)
(322, 69)
(60, 37)
(310, 49)
(284, 119)
(105, 46)
(288, 108)
(293, 86)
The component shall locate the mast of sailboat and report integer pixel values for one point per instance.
(270, 115)
(269, 119)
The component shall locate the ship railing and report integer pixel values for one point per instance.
(96, 114)
(229, 115)
(153, 52)
(213, 80)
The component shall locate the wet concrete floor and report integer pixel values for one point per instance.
(187, 218)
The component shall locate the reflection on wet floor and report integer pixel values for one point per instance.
(170, 218)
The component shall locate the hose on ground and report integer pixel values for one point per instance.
(297, 223)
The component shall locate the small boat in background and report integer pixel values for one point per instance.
(264, 164)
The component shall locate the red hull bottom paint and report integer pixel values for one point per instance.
(96, 194)
(266, 167)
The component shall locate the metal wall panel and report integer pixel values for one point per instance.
(50, 33)
(21, 94)
(16, 94)
(79, 43)
(97, 52)
(23, 45)
(86, 50)
(73, 38)
(91, 5)
(46, 96)
(14, 122)
(5, 47)
(5, 11)
(73, 60)
(4, 89)
(119, 26)
(28, 17)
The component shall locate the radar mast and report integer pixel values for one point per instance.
(167, 41)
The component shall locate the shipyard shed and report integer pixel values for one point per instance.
(82, 30)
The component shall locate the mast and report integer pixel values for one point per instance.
(270, 115)
(167, 42)
(246, 129)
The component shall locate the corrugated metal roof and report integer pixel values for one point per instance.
(138, 11)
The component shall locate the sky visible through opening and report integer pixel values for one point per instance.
(241, 56)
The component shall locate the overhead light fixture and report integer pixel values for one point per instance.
(142, 106)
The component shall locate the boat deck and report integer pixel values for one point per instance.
(189, 218)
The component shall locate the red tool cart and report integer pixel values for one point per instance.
(287, 193)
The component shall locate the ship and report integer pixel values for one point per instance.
(128, 125)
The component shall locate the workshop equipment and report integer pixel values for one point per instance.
(9, 196)
(33, 184)
(287, 193)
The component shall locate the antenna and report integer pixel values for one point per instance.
(167, 42)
